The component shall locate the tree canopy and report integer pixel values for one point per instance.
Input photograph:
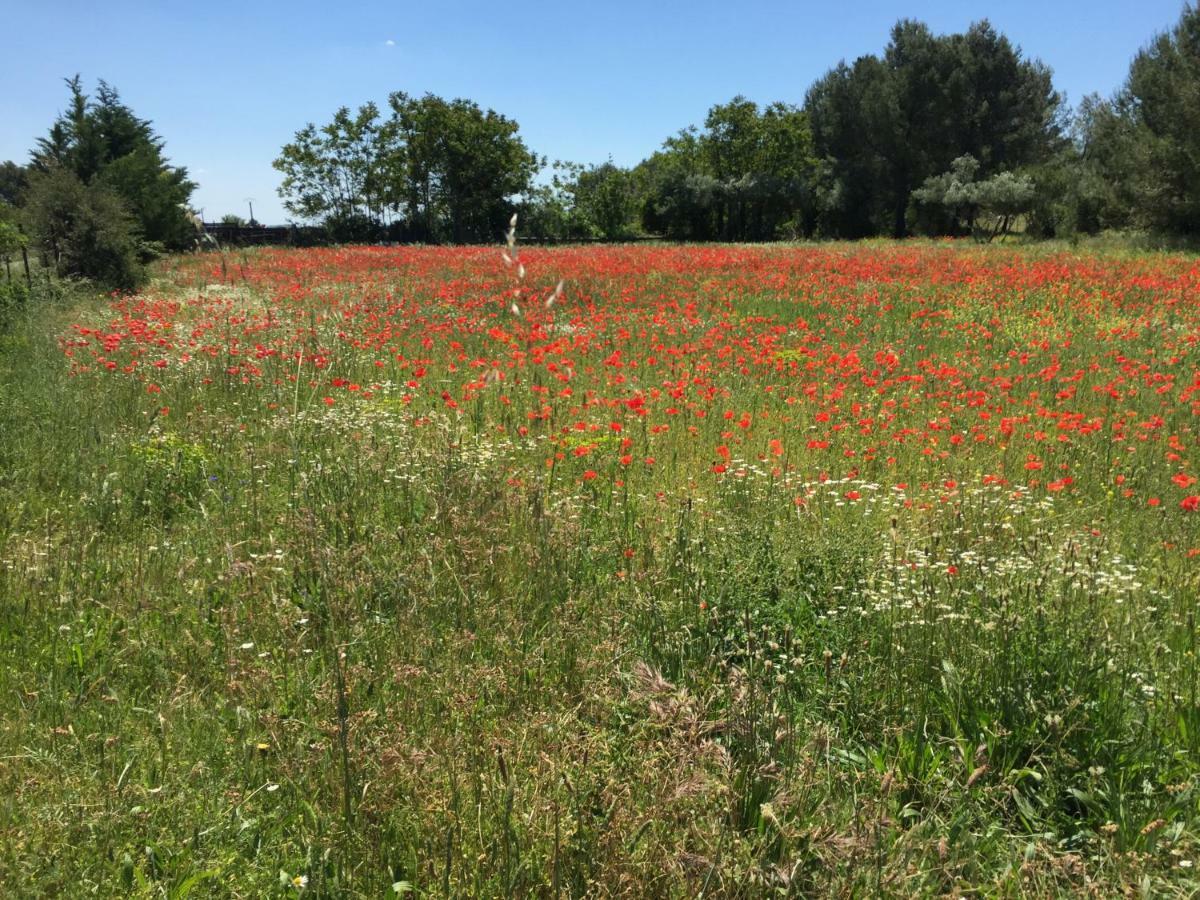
(745, 176)
(1144, 144)
(883, 125)
(435, 169)
(100, 140)
(986, 208)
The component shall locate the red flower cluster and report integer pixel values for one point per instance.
(1055, 372)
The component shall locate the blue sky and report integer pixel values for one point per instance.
(227, 84)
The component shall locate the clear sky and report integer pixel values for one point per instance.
(227, 84)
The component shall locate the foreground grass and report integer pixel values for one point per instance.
(258, 646)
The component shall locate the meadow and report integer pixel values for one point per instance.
(726, 571)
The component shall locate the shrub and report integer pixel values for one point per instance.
(85, 229)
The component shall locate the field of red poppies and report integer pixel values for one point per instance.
(634, 570)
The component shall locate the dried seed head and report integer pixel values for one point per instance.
(1154, 826)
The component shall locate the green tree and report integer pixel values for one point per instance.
(101, 140)
(14, 182)
(13, 290)
(988, 207)
(548, 209)
(604, 200)
(445, 170)
(1145, 143)
(338, 174)
(12, 239)
(885, 124)
(86, 229)
(1099, 188)
(678, 194)
(747, 176)
(456, 168)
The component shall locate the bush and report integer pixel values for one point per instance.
(85, 229)
(14, 294)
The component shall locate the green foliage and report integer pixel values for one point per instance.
(170, 471)
(337, 173)
(986, 208)
(445, 170)
(885, 125)
(547, 209)
(605, 202)
(99, 198)
(849, 163)
(1069, 197)
(14, 290)
(745, 177)
(14, 181)
(461, 166)
(86, 229)
(11, 237)
(1145, 143)
(14, 294)
(101, 141)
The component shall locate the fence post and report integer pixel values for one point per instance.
(25, 259)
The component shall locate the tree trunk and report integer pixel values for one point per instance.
(900, 217)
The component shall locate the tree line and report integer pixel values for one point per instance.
(956, 134)
(939, 134)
